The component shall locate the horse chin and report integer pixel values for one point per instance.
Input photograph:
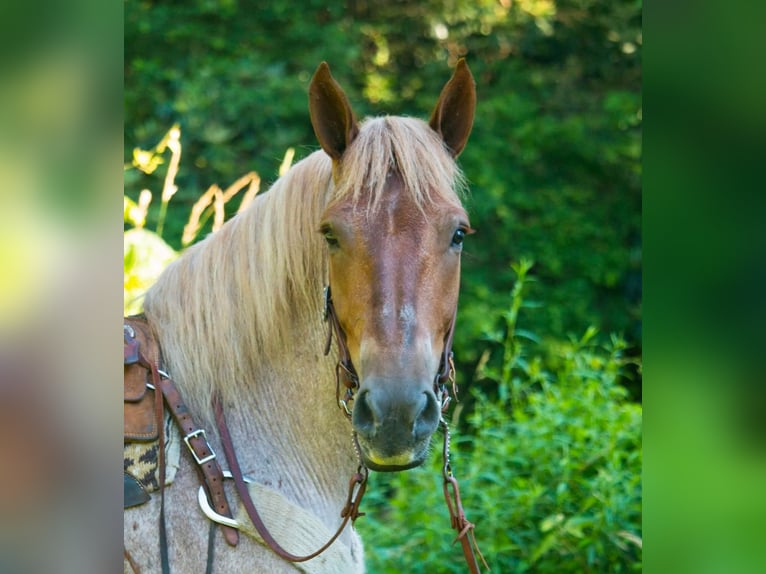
(392, 463)
(390, 467)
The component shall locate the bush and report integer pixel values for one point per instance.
(554, 159)
(548, 452)
(549, 466)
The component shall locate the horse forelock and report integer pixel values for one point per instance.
(405, 146)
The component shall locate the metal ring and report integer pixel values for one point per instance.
(212, 514)
(163, 374)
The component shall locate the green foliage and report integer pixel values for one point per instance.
(549, 466)
(145, 256)
(549, 455)
(146, 253)
(553, 160)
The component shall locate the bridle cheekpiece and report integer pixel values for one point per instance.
(346, 375)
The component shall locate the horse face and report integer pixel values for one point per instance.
(395, 277)
(394, 273)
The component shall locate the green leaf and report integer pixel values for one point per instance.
(547, 543)
(145, 256)
(550, 522)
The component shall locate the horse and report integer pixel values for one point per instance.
(368, 229)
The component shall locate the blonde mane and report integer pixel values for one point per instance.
(240, 298)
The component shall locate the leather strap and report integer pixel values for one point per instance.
(446, 367)
(141, 348)
(210, 548)
(136, 331)
(464, 528)
(357, 485)
(209, 470)
(345, 373)
(458, 520)
(146, 352)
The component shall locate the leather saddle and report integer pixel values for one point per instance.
(140, 419)
(140, 423)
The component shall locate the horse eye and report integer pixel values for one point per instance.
(330, 238)
(457, 238)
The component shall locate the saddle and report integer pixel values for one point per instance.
(144, 414)
(139, 420)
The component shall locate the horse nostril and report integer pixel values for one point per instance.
(363, 418)
(428, 418)
(396, 419)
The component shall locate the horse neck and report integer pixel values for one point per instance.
(239, 315)
(289, 432)
(280, 407)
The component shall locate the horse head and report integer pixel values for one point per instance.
(394, 232)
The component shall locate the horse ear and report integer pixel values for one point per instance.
(331, 114)
(452, 117)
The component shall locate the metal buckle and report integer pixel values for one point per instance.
(194, 434)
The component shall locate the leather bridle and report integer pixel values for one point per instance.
(345, 373)
(346, 376)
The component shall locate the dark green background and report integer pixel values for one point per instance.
(553, 161)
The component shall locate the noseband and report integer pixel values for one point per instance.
(346, 375)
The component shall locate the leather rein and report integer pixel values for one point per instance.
(345, 374)
(212, 476)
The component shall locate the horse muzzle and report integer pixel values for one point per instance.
(393, 428)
